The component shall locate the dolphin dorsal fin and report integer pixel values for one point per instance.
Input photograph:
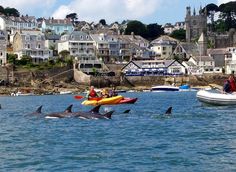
(169, 111)
(39, 110)
(108, 114)
(127, 111)
(96, 109)
(68, 109)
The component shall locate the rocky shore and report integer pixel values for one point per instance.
(76, 88)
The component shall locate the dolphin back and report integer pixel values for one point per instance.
(108, 114)
(39, 110)
(68, 109)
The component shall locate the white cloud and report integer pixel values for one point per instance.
(29, 6)
(223, 1)
(110, 10)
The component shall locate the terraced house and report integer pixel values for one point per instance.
(58, 26)
(12, 24)
(31, 43)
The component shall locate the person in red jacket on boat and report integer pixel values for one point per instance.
(232, 83)
(92, 93)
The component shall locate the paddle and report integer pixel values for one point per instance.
(78, 97)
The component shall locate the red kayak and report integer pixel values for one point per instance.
(128, 100)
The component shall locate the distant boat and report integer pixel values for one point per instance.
(161, 88)
(65, 92)
(19, 93)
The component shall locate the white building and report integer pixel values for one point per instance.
(3, 47)
(230, 65)
(31, 43)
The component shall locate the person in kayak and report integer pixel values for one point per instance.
(92, 93)
(104, 93)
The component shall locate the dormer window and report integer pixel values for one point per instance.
(87, 37)
(81, 37)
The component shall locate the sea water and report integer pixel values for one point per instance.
(195, 137)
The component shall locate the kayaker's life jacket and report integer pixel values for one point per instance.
(92, 93)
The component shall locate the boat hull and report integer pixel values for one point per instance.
(216, 98)
(164, 88)
(127, 100)
(104, 101)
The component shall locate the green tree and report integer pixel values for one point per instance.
(12, 12)
(25, 60)
(211, 10)
(228, 14)
(72, 16)
(11, 58)
(179, 34)
(103, 22)
(137, 27)
(154, 31)
(2, 10)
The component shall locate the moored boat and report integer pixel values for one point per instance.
(164, 88)
(216, 98)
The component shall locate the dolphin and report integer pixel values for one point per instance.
(93, 114)
(37, 112)
(169, 111)
(66, 113)
(127, 111)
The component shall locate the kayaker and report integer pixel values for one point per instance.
(104, 93)
(92, 93)
(112, 92)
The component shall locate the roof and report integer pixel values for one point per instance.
(190, 48)
(218, 51)
(53, 21)
(203, 58)
(165, 39)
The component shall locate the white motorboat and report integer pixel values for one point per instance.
(19, 93)
(216, 98)
(164, 88)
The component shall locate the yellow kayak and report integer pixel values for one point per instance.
(104, 101)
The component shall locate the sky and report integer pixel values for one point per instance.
(146, 11)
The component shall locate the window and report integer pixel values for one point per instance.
(1, 53)
(39, 46)
(28, 46)
(38, 38)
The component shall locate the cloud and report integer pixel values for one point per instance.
(110, 10)
(219, 2)
(30, 6)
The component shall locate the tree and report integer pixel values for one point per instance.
(72, 16)
(2, 10)
(179, 34)
(103, 22)
(137, 27)
(211, 10)
(12, 12)
(154, 31)
(64, 53)
(228, 14)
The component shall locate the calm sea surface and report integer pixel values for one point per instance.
(194, 138)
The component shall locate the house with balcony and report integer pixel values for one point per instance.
(3, 47)
(57, 26)
(12, 24)
(82, 47)
(31, 43)
(163, 47)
